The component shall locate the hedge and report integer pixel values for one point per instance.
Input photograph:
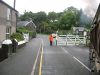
(17, 36)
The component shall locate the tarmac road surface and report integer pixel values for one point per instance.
(39, 58)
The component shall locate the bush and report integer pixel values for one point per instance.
(22, 30)
(32, 34)
(65, 32)
(25, 30)
(17, 36)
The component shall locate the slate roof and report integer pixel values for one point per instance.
(24, 23)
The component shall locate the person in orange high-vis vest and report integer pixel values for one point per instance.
(51, 39)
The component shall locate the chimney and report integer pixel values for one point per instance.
(14, 3)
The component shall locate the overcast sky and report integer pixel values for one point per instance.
(52, 5)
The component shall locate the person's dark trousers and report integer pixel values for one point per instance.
(50, 43)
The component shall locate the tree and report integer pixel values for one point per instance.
(54, 21)
(26, 16)
(37, 18)
(40, 17)
(52, 16)
(69, 19)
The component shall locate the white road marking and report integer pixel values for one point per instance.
(64, 50)
(34, 66)
(82, 64)
(76, 59)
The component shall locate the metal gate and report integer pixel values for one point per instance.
(71, 40)
(75, 40)
(61, 40)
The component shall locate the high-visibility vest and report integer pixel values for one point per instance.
(51, 38)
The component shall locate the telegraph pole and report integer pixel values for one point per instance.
(14, 3)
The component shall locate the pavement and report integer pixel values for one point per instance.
(39, 58)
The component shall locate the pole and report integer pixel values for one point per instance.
(14, 3)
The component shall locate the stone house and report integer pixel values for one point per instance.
(29, 24)
(8, 20)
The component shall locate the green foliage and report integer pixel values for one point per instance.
(25, 30)
(52, 16)
(62, 32)
(88, 26)
(41, 16)
(36, 17)
(69, 18)
(65, 32)
(17, 36)
(32, 34)
(53, 21)
(22, 30)
(26, 16)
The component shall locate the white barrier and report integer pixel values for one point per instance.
(21, 42)
(71, 40)
(61, 40)
(75, 40)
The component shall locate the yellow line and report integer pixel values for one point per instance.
(34, 66)
(41, 59)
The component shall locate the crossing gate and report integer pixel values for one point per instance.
(61, 40)
(75, 40)
(71, 40)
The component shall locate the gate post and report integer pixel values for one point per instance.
(75, 39)
(66, 39)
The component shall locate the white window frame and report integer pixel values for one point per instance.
(8, 32)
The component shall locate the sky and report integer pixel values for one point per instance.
(89, 6)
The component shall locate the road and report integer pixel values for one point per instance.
(61, 60)
(39, 58)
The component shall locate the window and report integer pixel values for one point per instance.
(8, 32)
(8, 14)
